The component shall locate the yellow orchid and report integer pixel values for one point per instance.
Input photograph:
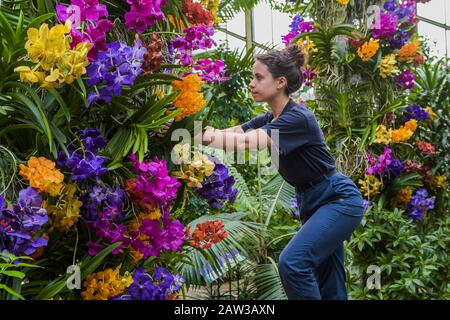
(404, 195)
(28, 75)
(159, 93)
(213, 7)
(307, 45)
(383, 135)
(56, 62)
(46, 46)
(74, 64)
(387, 66)
(438, 182)
(182, 153)
(106, 284)
(66, 212)
(432, 114)
(35, 45)
(202, 161)
(370, 186)
(195, 172)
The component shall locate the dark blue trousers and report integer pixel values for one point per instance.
(311, 266)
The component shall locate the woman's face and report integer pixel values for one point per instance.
(263, 86)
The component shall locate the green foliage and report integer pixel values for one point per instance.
(413, 258)
(327, 55)
(267, 283)
(433, 91)
(433, 85)
(12, 273)
(132, 135)
(232, 102)
(291, 7)
(22, 108)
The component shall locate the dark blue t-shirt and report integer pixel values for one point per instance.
(303, 154)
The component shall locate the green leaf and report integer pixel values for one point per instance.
(11, 273)
(7, 31)
(11, 291)
(36, 22)
(61, 102)
(19, 127)
(52, 289)
(115, 165)
(90, 266)
(36, 109)
(268, 282)
(18, 35)
(281, 192)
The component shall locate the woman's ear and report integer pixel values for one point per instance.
(282, 82)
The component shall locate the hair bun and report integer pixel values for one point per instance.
(297, 54)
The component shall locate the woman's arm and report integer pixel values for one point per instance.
(237, 129)
(234, 141)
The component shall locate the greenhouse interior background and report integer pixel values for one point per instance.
(268, 25)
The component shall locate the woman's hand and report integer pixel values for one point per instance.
(203, 135)
(210, 128)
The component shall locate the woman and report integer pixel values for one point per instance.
(311, 266)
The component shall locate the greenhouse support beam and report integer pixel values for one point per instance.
(435, 23)
(249, 29)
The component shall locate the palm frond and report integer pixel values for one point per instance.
(280, 193)
(242, 236)
(229, 8)
(267, 282)
(132, 136)
(432, 82)
(324, 39)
